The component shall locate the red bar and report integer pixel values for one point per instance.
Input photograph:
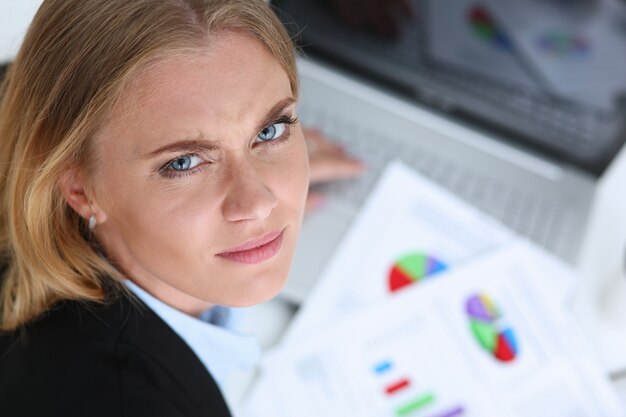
(403, 383)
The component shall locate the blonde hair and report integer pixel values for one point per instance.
(72, 67)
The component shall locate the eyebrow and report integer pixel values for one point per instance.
(275, 111)
(199, 145)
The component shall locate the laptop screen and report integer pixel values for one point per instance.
(547, 74)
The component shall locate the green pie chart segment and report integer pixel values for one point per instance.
(485, 334)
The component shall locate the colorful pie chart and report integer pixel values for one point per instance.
(413, 268)
(488, 327)
(485, 27)
(561, 44)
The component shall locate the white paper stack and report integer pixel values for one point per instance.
(431, 309)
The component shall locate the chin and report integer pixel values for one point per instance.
(263, 284)
(260, 290)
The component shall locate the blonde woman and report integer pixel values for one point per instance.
(152, 168)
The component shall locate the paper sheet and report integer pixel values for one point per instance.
(407, 219)
(489, 340)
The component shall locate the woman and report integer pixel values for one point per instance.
(152, 167)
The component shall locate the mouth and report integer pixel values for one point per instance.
(256, 250)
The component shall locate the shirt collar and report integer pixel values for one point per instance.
(220, 350)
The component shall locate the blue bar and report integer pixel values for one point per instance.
(383, 367)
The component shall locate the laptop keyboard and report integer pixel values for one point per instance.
(541, 220)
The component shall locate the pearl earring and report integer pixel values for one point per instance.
(92, 222)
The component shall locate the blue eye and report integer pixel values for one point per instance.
(185, 162)
(272, 132)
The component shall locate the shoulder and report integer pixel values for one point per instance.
(62, 356)
(96, 359)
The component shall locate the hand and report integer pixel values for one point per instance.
(327, 162)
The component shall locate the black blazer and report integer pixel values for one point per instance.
(90, 360)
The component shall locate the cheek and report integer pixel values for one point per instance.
(166, 215)
(292, 177)
(149, 213)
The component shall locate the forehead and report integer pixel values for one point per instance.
(233, 78)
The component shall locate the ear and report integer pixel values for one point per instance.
(74, 190)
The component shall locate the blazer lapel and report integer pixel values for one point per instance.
(148, 332)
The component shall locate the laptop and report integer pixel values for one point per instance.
(515, 106)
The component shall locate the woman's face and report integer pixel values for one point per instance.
(202, 175)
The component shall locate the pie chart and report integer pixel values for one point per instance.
(485, 27)
(489, 328)
(413, 268)
(561, 44)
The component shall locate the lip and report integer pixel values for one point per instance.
(255, 250)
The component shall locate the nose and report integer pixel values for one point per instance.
(247, 197)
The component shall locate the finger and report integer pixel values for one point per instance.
(314, 201)
(318, 142)
(311, 131)
(334, 168)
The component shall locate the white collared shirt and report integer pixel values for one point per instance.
(213, 337)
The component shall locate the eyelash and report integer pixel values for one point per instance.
(288, 121)
(170, 173)
(167, 171)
